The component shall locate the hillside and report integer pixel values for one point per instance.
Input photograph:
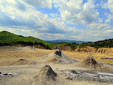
(107, 43)
(7, 38)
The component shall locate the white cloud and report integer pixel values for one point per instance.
(9, 15)
(76, 37)
(108, 20)
(98, 26)
(100, 20)
(21, 17)
(30, 21)
(21, 31)
(75, 12)
(94, 32)
(97, 31)
(108, 5)
(49, 36)
(40, 3)
(109, 17)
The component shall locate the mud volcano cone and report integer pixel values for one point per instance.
(58, 57)
(58, 52)
(47, 73)
(90, 62)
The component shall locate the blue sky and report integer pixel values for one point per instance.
(84, 20)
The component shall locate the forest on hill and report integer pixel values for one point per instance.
(7, 38)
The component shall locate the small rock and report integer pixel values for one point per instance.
(74, 72)
(9, 74)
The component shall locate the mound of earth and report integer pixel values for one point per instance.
(23, 62)
(85, 49)
(58, 57)
(47, 73)
(91, 63)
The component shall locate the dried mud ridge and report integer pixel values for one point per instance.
(88, 76)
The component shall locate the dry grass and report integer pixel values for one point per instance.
(9, 55)
(12, 54)
(97, 56)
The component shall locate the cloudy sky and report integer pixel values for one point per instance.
(85, 20)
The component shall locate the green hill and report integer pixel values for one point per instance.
(107, 43)
(7, 38)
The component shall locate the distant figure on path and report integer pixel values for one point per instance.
(33, 47)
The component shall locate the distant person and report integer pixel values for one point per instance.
(33, 47)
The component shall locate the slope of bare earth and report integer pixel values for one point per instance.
(20, 55)
(22, 65)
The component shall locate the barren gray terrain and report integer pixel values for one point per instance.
(26, 70)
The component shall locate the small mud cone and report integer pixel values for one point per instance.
(47, 73)
(90, 62)
(58, 57)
